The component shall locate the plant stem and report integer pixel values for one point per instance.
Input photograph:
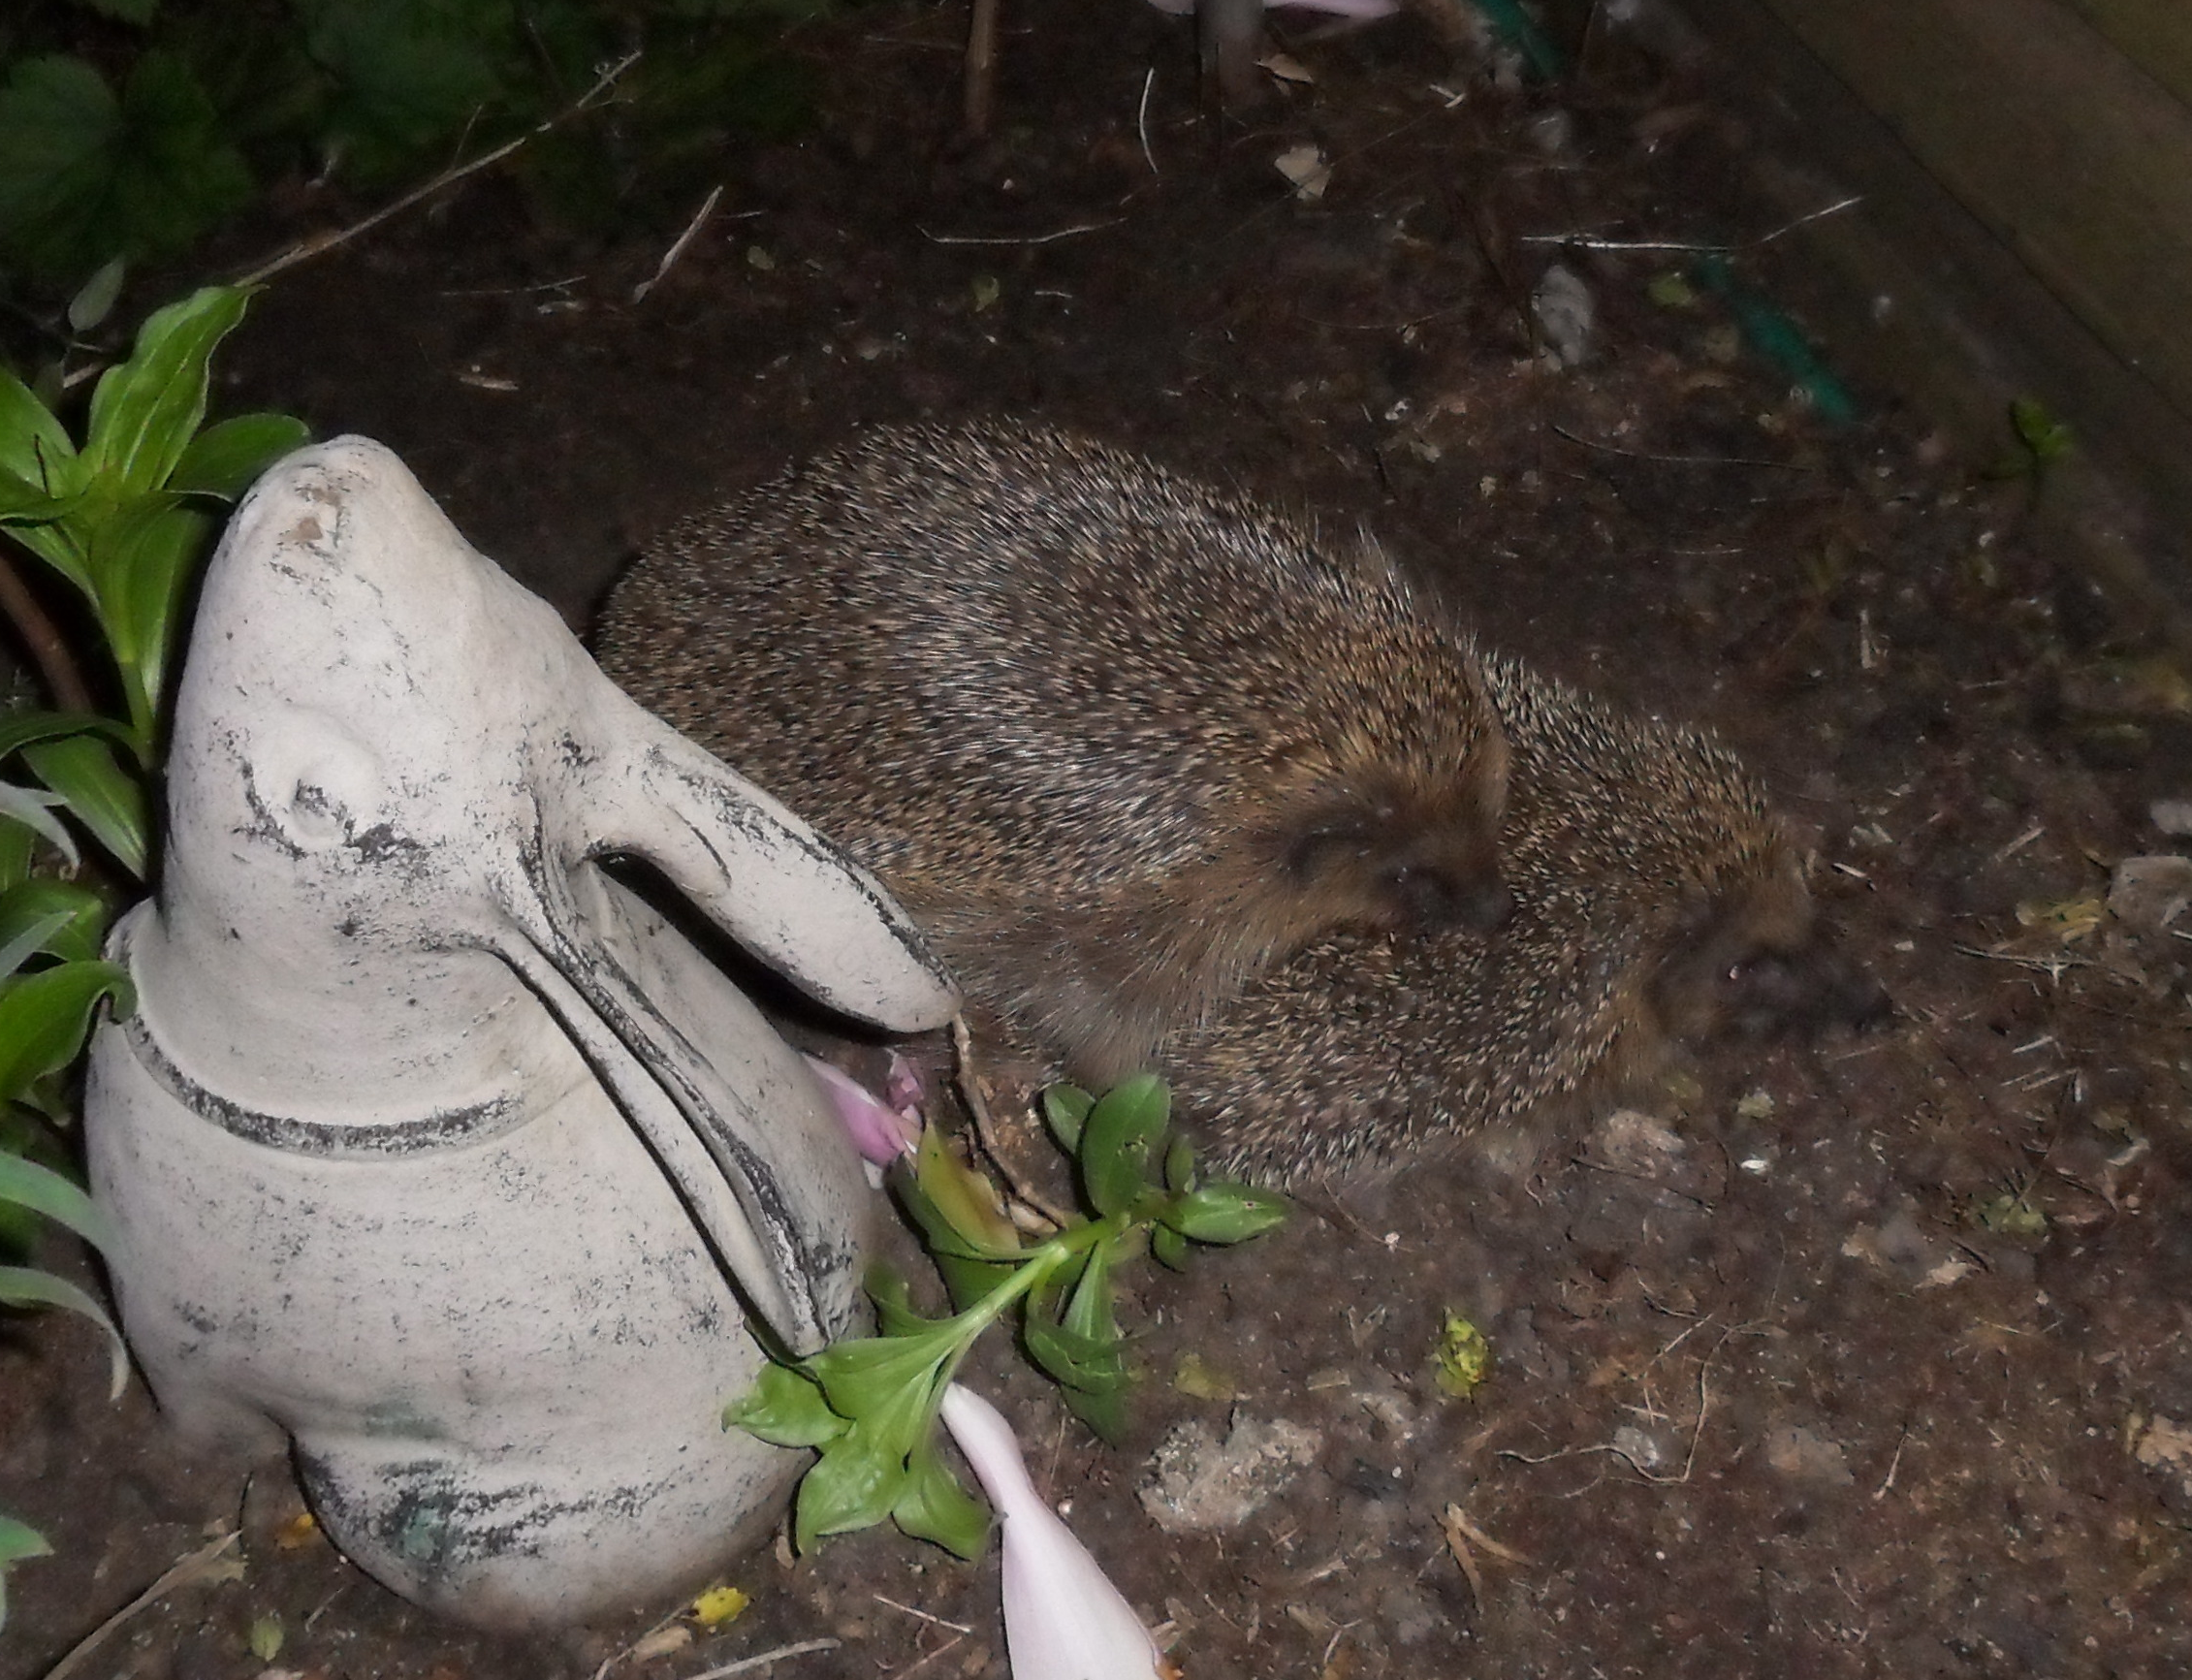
(56, 664)
(1036, 1268)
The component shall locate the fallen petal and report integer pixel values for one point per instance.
(1063, 1620)
(879, 1133)
(904, 1089)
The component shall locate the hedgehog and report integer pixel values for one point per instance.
(1659, 902)
(1121, 741)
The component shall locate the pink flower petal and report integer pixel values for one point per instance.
(877, 1132)
(904, 1089)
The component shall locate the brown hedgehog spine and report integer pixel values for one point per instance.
(1122, 741)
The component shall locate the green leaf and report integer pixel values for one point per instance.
(945, 1244)
(45, 1192)
(33, 445)
(1168, 1247)
(44, 1018)
(1461, 1359)
(1180, 1166)
(32, 809)
(19, 1543)
(1089, 1308)
(17, 840)
(784, 1407)
(55, 541)
(18, 729)
(1074, 1361)
(407, 75)
(895, 1315)
(1226, 1213)
(2047, 437)
(264, 1638)
(95, 298)
(141, 564)
(866, 1377)
(24, 503)
(965, 1200)
(31, 940)
(1103, 1410)
(60, 125)
(932, 1506)
(27, 1287)
(224, 460)
(86, 176)
(849, 1488)
(71, 922)
(1119, 1140)
(145, 411)
(1066, 1108)
(101, 795)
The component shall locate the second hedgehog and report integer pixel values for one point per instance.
(1291, 745)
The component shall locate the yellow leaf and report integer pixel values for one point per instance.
(719, 1606)
(296, 1532)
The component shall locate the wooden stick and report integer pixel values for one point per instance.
(56, 661)
(326, 242)
(183, 1573)
(981, 68)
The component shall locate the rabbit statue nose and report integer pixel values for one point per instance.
(432, 1143)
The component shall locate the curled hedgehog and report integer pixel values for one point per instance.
(1172, 782)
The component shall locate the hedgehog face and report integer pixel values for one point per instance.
(1404, 860)
(1754, 964)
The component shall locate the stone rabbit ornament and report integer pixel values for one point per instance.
(431, 1142)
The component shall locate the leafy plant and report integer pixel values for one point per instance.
(2042, 440)
(124, 521)
(870, 1404)
(133, 128)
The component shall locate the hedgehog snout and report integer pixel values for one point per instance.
(1763, 968)
(1774, 994)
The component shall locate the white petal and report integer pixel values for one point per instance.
(1063, 1620)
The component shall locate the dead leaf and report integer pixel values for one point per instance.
(1304, 165)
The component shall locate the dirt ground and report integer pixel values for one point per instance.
(1860, 1357)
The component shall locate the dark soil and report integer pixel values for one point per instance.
(1869, 1364)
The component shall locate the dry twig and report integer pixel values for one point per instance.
(1020, 239)
(1592, 242)
(762, 1659)
(969, 1085)
(180, 1575)
(678, 246)
(56, 662)
(307, 249)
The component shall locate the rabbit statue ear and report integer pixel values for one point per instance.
(769, 881)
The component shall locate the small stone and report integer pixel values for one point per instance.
(2149, 893)
(2165, 1444)
(1198, 1484)
(1640, 1448)
(1636, 1143)
(2173, 816)
(1566, 315)
(1803, 1456)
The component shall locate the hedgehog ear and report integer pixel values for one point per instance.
(764, 878)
